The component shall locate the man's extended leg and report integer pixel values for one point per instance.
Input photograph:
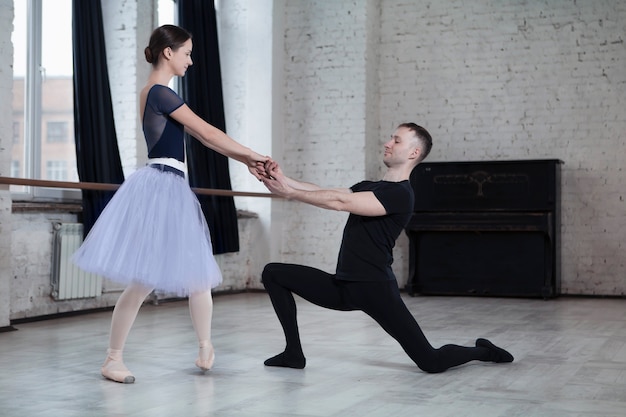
(318, 287)
(383, 303)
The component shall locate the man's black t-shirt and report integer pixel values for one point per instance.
(366, 252)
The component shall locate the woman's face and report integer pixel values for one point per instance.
(180, 59)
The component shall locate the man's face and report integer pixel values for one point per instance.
(401, 148)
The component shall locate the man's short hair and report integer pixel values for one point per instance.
(426, 141)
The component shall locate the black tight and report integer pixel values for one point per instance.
(380, 300)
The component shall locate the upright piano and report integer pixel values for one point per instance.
(487, 228)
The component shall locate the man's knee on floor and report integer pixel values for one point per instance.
(431, 364)
(430, 368)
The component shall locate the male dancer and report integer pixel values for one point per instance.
(364, 280)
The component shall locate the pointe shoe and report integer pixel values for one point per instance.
(114, 369)
(206, 356)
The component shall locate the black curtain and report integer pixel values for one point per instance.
(97, 154)
(202, 91)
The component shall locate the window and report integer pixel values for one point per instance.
(56, 170)
(17, 132)
(43, 105)
(56, 132)
(166, 10)
(168, 15)
(15, 169)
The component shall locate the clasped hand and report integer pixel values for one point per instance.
(270, 174)
(274, 179)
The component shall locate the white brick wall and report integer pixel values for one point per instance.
(514, 80)
(6, 140)
(245, 33)
(507, 80)
(31, 254)
(325, 118)
(524, 80)
(128, 25)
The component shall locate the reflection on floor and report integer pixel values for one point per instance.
(570, 361)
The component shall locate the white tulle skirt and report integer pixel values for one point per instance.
(152, 232)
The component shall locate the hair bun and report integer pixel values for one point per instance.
(148, 54)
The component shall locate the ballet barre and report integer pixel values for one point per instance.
(112, 187)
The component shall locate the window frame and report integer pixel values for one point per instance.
(32, 125)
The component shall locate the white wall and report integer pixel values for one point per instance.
(524, 80)
(326, 116)
(246, 51)
(6, 140)
(513, 80)
(127, 28)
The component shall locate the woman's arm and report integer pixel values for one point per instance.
(215, 139)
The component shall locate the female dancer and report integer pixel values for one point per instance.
(152, 234)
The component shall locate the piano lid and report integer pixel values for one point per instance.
(531, 185)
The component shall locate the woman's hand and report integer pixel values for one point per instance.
(257, 165)
(275, 180)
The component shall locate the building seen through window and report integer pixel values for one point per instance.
(57, 131)
(43, 107)
(43, 110)
(15, 169)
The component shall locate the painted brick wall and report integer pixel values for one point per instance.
(6, 140)
(505, 80)
(245, 33)
(127, 27)
(31, 254)
(518, 80)
(325, 112)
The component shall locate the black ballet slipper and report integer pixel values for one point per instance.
(498, 355)
(286, 362)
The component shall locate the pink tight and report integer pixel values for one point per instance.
(127, 307)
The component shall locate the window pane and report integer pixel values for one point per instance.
(43, 108)
(57, 94)
(17, 135)
(166, 12)
(56, 131)
(18, 37)
(56, 170)
(15, 169)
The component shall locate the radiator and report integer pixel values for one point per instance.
(69, 281)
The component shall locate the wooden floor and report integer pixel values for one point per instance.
(570, 361)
